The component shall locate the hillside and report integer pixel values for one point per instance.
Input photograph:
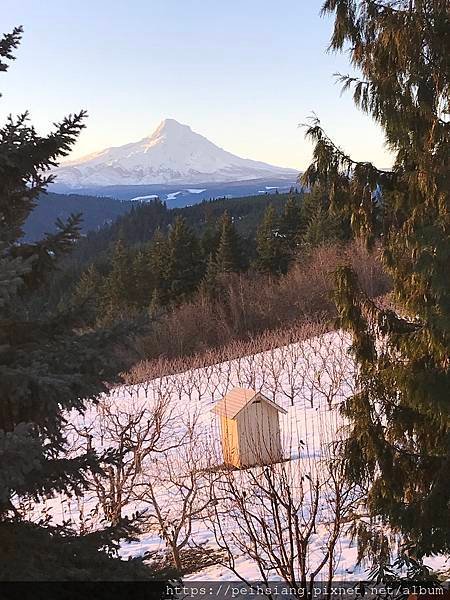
(289, 375)
(157, 258)
(97, 212)
(137, 224)
(180, 482)
(185, 194)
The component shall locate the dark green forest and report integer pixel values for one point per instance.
(153, 257)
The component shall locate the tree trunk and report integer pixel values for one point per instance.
(176, 558)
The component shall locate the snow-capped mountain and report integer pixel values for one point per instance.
(172, 154)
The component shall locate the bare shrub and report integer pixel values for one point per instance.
(253, 303)
(146, 370)
(279, 512)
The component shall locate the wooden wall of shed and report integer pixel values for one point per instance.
(259, 435)
(230, 441)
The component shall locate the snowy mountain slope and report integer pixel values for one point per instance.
(172, 154)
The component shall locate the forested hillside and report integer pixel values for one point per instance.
(96, 212)
(156, 257)
(144, 218)
(201, 276)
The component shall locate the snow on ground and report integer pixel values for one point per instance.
(310, 379)
(173, 195)
(142, 198)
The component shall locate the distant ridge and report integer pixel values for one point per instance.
(172, 154)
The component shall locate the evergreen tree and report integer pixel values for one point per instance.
(210, 284)
(210, 240)
(47, 368)
(158, 258)
(324, 222)
(87, 292)
(143, 280)
(229, 253)
(88, 284)
(291, 225)
(399, 442)
(321, 228)
(185, 265)
(270, 248)
(118, 290)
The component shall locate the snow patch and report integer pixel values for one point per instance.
(173, 195)
(141, 198)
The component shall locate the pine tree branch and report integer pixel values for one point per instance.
(8, 43)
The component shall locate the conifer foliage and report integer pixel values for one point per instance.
(118, 290)
(229, 253)
(271, 247)
(399, 442)
(292, 224)
(46, 367)
(185, 267)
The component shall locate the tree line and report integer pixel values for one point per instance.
(179, 261)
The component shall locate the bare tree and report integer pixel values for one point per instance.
(133, 431)
(177, 488)
(286, 517)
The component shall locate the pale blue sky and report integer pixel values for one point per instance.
(244, 73)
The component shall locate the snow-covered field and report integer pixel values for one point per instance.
(180, 473)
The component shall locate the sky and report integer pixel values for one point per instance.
(244, 73)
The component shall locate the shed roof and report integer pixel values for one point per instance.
(232, 404)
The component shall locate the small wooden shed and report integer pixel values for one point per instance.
(250, 428)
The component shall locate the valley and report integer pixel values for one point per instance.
(183, 194)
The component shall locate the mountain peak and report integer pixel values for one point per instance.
(170, 127)
(172, 123)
